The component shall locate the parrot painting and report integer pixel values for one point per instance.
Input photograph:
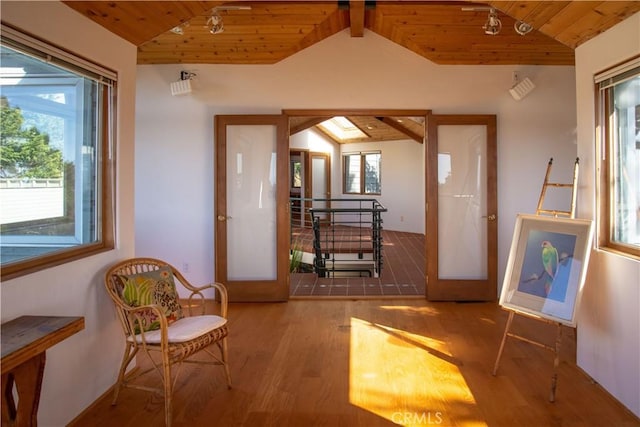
(550, 264)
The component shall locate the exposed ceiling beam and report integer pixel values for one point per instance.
(399, 127)
(307, 124)
(356, 17)
(328, 135)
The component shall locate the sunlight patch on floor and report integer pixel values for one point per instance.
(407, 378)
(430, 311)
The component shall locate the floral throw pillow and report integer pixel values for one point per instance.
(152, 287)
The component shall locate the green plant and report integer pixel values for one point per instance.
(295, 259)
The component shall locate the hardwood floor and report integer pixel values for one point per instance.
(376, 363)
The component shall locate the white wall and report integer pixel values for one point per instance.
(174, 135)
(402, 176)
(609, 316)
(81, 368)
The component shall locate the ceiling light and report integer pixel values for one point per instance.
(180, 28)
(214, 23)
(522, 28)
(493, 24)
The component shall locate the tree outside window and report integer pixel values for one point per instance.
(55, 174)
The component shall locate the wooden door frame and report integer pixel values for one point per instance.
(460, 290)
(253, 290)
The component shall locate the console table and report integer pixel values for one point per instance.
(24, 343)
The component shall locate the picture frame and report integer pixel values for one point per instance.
(547, 267)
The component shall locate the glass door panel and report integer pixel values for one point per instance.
(462, 202)
(461, 208)
(251, 202)
(252, 207)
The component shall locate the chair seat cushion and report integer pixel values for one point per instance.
(185, 329)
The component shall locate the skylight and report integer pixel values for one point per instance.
(342, 129)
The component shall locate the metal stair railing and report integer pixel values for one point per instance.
(348, 238)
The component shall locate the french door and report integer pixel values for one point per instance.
(461, 219)
(252, 206)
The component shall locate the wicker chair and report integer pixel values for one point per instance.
(169, 340)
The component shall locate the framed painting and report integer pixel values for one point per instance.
(547, 267)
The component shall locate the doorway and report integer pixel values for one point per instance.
(403, 271)
(309, 183)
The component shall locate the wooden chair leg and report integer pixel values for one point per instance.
(168, 390)
(225, 359)
(129, 353)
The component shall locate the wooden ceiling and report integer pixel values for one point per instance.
(440, 31)
(376, 128)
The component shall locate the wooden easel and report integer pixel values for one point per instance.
(556, 348)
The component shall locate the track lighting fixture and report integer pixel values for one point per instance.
(179, 29)
(522, 28)
(214, 23)
(493, 24)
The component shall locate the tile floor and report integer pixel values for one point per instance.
(403, 272)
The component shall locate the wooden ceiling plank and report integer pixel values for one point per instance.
(259, 20)
(139, 21)
(568, 15)
(430, 8)
(515, 9)
(335, 23)
(356, 17)
(238, 48)
(317, 8)
(213, 57)
(543, 12)
(448, 58)
(603, 16)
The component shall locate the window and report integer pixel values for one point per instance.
(55, 172)
(619, 120)
(361, 173)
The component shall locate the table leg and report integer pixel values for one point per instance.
(27, 379)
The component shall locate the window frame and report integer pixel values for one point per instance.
(362, 191)
(605, 131)
(104, 181)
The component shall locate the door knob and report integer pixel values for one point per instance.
(491, 217)
(223, 218)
